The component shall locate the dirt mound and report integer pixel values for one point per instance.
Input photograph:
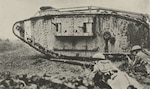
(22, 67)
(6, 46)
(8, 81)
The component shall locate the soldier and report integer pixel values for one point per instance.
(103, 65)
(107, 76)
(103, 71)
(139, 59)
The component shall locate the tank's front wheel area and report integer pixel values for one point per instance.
(17, 30)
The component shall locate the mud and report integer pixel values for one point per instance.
(25, 68)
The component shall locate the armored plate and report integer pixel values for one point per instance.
(83, 31)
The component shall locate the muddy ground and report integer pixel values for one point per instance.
(18, 58)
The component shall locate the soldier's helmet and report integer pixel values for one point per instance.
(99, 55)
(136, 47)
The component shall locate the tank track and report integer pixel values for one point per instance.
(51, 54)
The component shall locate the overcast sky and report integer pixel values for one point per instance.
(15, 10)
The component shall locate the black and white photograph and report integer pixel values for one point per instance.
(74, 44)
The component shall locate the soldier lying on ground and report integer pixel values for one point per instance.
(101, 75)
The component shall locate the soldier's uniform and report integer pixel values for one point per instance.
(140, 60)
(100, 71)
(107, 76)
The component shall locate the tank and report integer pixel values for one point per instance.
(83, 31)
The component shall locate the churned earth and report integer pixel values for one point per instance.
(24, 59)
(18, 58)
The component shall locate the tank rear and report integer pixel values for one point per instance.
(83, 33)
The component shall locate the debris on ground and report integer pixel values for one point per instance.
(25, 68)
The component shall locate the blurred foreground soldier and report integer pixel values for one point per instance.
(140, 59)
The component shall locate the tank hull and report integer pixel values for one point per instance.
(82, 35)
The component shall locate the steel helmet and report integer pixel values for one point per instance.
(99, 55)
(136, 47)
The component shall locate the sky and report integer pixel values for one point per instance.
(15, 10)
